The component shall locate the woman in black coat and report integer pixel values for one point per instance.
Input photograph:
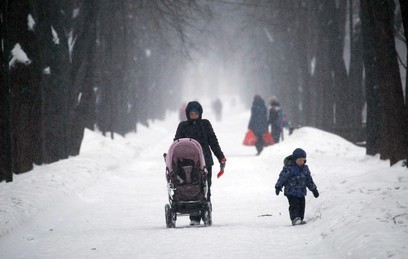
(258, 122)
(201, 130)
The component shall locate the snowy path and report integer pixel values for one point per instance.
(120, 213)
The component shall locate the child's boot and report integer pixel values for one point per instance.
(296, 221)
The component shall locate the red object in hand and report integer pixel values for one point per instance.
(250, 138)
(220, 173)
(268, 139)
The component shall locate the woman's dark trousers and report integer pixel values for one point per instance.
(209, 169)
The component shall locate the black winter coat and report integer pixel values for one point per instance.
(258, 122)
(202, 131)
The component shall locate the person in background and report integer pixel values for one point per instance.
(295, 177)
(182, 112)
(275, 119)
(217, 108)
(258, 122)
(200, 129)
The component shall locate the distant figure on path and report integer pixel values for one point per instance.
(258, 122)
(275, 119)
(182, 112)
(217, 108)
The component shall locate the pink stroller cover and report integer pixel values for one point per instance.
(185, 148)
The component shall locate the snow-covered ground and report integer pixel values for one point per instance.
(109, 201)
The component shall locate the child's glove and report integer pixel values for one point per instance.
(315, 193)
(277, 190)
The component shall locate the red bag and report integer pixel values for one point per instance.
(268, 139)
(250, 138)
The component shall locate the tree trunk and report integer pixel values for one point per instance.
(372, 91)
(82, 101)
(24, 89)
(356, 101)
(5, 100)
(404, 14)
(341, 80)
(393, 120)
(323, 72)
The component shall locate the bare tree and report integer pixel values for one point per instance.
(100, 63)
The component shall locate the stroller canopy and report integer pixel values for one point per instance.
(185, 148)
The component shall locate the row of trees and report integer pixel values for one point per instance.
(90, 63)
(301, 49)
(110, 64)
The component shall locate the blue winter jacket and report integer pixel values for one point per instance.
(295, 179)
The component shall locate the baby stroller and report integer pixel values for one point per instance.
(186, 177)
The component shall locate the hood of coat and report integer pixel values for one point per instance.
(288, 161)
(196, 107)
(258, 101)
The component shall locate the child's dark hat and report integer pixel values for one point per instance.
(298, 153)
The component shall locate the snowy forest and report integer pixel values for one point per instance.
(339, 66)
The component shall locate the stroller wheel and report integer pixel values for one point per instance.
(170, 221)
(206, 214)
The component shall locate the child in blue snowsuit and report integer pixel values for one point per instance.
(295, 177)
